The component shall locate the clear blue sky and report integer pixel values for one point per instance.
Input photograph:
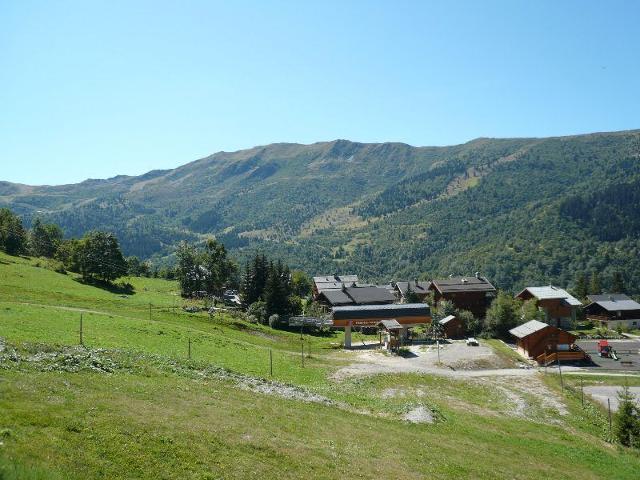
(91, 89)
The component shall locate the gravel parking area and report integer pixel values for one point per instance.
(456, 359)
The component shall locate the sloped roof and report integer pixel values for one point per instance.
(364, 295)
(417, 287)
(615, 302)
(463, 284)
(528, 328)
(337, 297)
(390, 324)
(335, 278)
(552, 293)
(446, 320)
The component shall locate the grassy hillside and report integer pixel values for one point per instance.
(505, 207)
(130, 404)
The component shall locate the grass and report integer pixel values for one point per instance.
(143, 410)
(507, 354)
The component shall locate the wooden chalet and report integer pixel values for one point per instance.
(545, 343)
(453, 327)
(406, 314)
(559, 307)
(421, 289)
(613, 310)
(473, 293)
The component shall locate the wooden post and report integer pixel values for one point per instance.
(81, 339)
(609, 405)
(560, 371)
(189, 348)
(270, 363)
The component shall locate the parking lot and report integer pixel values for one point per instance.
(628, 352)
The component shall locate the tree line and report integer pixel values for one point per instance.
(96, 256)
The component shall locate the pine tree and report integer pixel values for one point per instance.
(594, 284)
(580, 289)
(627, 426)
(617, 283)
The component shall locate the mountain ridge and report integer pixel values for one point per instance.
(342, 205)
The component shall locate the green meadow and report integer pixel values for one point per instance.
(131, 404)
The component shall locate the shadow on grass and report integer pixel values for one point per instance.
(118, 288)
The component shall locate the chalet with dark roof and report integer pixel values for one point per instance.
(473, 293)
(420, 288)
(613, 310)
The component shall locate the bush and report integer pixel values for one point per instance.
(274, 320)
(259, 310)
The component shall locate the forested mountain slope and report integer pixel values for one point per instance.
(519, 210)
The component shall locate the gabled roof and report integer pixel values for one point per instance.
(463, 284)
(390, 324)
(552, 293)
(615, 302)
(446, 320)
(528, 328)
(417, 287)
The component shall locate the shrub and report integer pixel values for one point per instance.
(259, 310)
(274, 320)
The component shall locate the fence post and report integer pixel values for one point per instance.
(582, 391)
(81, 339)
(560, 371)
(189, 348)
(270, 363)
(609, 406)
(302, 353)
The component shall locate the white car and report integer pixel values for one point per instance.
(472, 342)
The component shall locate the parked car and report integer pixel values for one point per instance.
(472, 342)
